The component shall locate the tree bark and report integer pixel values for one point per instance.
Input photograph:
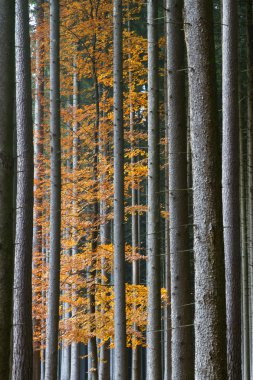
(210, 311)
(7, 87)
(154, 361)
(22, 366)
(230, 185)
(38, 163)
(55, 199)
(249, 33)
(120, 358)
(181, 298)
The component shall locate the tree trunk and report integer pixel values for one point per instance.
(75, 347)
(104, 361)
(7, 87)
(230, 186)
(22, 305)
(210, 311)
(250, 159)
(120, 358)
(154, 361)
(167, 279)
(55, 199)
(38, 163)
(181, 298)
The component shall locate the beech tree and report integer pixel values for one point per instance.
(154, 362)
(7, 88)
(120, 363)
(210, 312)
(55, 197)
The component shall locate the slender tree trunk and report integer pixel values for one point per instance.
(38, 162)
(181, 298)
(104, 362)
(136, 373)
(250, 160)
(7, 87)
(230, 185)
(167, 279)
(245, 279)
(120, 357)
(154, 361)
(75, 361)
(75, 346)
(22, 312)
(55, 200)
(210, 311)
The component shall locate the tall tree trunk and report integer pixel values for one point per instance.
(136, 351)
(38, 162)
(167, 279)
(245, 277)
(181, 298)
(7, 87)
(22, 305)
(250, 159)
(55, 199)
(230, 185)
(154, 361)
(120, 357)
(210, 311)
(94, 243)
(104, 362)
(75, 346)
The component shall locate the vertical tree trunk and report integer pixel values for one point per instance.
(38, 160)
(154, 361)
(230, 186)
(75, 347)
(167, 279)
(245, 278)
(250, 159)
(181, 298)
(7, 88)
(210, 311)
(22, 312)
(55, 199)
(104, 362)
(120, 358)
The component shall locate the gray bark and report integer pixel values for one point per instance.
(167, 282)
(120, 358)
(250, 160)
(104, 360)
(75, 361)
(22, 297)
(38, 162)
(230, 185)
(55, 199)
(180, 254)
(154, 360)
(245, 278)
(7, 87)
(210, 312)
(75, 347)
